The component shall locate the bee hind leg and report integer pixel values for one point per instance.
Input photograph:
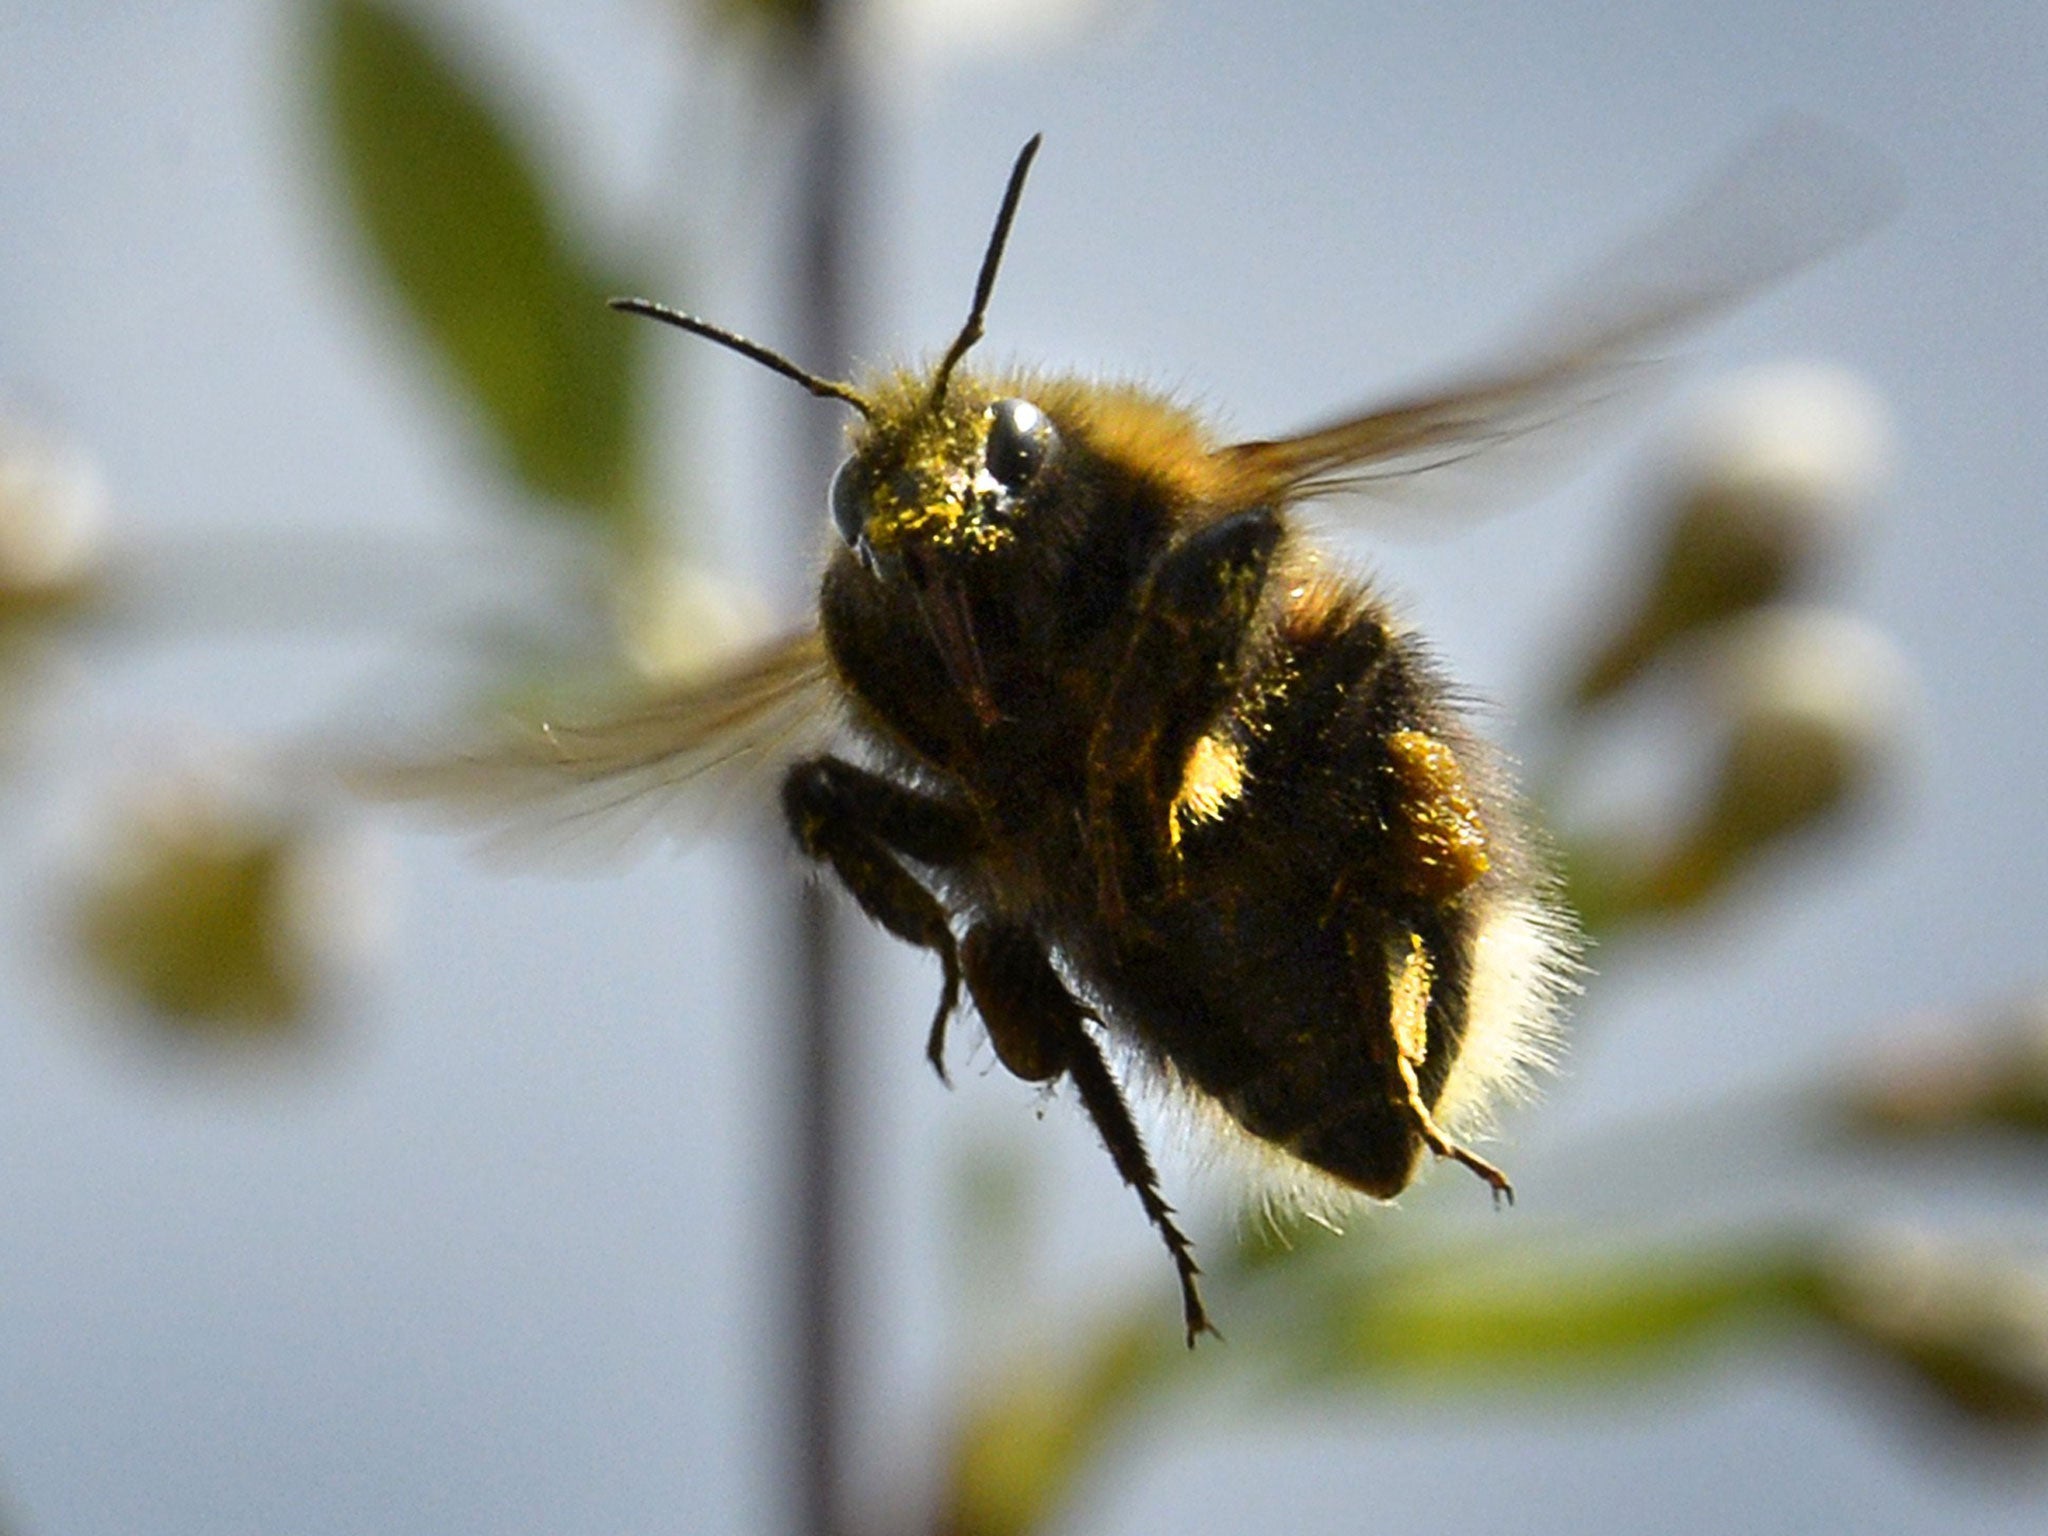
(1039, 1032)
(1411, 977)
(864, 825)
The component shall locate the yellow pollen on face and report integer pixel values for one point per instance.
(928, 496)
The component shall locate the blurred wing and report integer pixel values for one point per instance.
(1786, 199)
(589, 786)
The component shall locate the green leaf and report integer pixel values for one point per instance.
(799, 20)
(1021, 1447)
(458, 219)
(1540, 1315)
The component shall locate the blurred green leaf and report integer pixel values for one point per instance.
(1484, 1318)
(796, 21)
(464, 230)
(1954, 1328)
(1020, 1449)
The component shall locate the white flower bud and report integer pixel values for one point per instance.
(1789, 454)
(1969, 1326)
(1818, 707)
(1985, 1073)
(937, 33)
(53, 514)
(218, 906)
(1819, 704)
(675, 619)
(1764, 488)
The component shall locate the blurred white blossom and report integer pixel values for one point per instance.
(674, 619)
(1765, 489)
(1819, 706)
(220, 902)
(53, 515)
(939, 32)
(1811, 711)
(1804, 447)
(1971, 1326)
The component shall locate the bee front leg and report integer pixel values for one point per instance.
(864, 826)
(1178, 672)
(1038, 1031)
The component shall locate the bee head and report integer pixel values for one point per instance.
(942, 478)
(939, 466)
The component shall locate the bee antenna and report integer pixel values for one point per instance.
(826, 389)
(985, 285)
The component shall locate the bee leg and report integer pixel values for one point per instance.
(1177, 674)
(1038, 1031)
(1408, 994)
(864, 826)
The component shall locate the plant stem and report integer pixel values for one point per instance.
(822, 1166)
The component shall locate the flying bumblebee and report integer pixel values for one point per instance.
(1142, 770)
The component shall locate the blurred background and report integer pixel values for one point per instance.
(351, 1181)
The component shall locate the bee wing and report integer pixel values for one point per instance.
(589, 786)
(1786, 199)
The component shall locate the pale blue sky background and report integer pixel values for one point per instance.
(495, 1260)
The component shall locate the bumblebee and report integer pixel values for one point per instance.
(1156, 784)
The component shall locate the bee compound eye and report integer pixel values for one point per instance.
(849, 501)
(1021, 438)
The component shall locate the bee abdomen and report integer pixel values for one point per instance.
(1376, 1155)
(1339, 1119)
